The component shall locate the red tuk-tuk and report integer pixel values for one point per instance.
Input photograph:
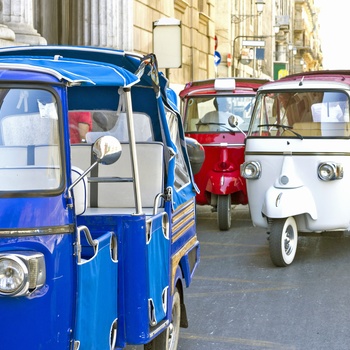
(207, 108)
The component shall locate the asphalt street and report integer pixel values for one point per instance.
(239, 300)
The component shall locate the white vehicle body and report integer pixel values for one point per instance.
(297, 159)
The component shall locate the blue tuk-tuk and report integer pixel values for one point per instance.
(97, 221)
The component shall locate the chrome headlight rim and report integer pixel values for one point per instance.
(32, 264)
(251, 170)
(330, 171)
(13, 260)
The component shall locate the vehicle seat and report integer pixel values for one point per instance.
(143, 129)
(307, 129)
(33, 130)
(80, 191)
(210, 117)
(107, 196)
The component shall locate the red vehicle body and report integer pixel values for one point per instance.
(208, 106)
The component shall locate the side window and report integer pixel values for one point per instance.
(80, 123)
(181, 172)
(89, 125)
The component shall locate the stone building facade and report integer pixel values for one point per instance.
(286, 31)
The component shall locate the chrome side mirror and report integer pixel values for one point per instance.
(106, 150)
(233, 121)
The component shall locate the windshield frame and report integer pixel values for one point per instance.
(61, 154)
(302, 112)
(222, 125)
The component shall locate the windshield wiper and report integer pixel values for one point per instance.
(284, 127)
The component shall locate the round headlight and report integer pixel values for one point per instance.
(251, 170)
(330, 171)
(13, 275)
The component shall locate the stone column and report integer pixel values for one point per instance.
(281, 46)
(105, 23)
(51, 19)
(17, 15)
(7, 36)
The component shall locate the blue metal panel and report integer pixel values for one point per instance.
(135, 279)
(158, 253)
(97, 297)
(33, 212)
(43, 319)
(133, 287)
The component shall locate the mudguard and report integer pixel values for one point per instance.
(225, 183)
(285, 202)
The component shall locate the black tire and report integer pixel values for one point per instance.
(283, 241)
(224, 212)
(168, 340)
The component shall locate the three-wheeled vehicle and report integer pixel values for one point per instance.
(207, 108)
(97, 223)
(297, 163)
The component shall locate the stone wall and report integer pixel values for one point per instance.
(198, 33)
(128, 25)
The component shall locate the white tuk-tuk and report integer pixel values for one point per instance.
(297, 159)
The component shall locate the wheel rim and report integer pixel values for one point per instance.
(289, 240)
(172, 337)
(283, 241)
(174, 327)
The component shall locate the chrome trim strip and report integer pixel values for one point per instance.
(52, 230)
(175, 259)
(188, 206)
(183, 220)
(187, 217)
(162, 325)
(182, 232)
(222, 144)
(257, 153)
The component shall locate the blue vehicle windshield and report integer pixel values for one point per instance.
(30, 159)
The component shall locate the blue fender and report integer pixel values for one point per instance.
(285, 202)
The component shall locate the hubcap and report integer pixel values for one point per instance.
(171, 332)
(288, 242)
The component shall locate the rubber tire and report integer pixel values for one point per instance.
(283, 241)
(224, 212)
(169, 338)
